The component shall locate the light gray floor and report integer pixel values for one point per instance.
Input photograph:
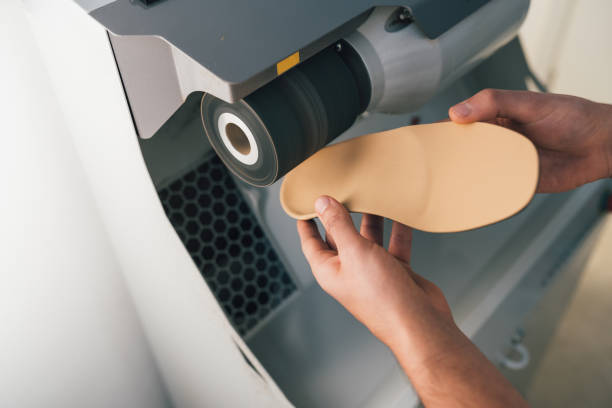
(572, 344)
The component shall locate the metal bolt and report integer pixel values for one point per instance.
(405, 14)
(338, 47)
(518, 336)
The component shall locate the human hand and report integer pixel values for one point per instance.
(404, 310)
(377, 286)
(573, 135)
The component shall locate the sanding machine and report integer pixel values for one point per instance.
(209, 300)
(279, 80)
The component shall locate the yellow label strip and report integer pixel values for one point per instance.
(288, 63)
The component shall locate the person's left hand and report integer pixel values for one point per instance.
(377, 286)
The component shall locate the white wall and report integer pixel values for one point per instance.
(568, 44)
(69, 336)
(195, 348)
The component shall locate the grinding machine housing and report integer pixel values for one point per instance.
(280, 80)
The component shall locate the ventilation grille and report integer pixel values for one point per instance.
(226, 243)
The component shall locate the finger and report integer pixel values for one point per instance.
(372, 227)
(488, 104)
(400, 243)
(329, 238)
(338, 223)
(313, 247)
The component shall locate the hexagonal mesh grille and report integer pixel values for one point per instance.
(226, 243)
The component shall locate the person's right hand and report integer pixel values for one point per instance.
(573, 135)
(404, 310)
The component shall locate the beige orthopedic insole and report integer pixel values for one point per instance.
(441, 177)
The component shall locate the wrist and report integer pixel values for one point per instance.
(418, 344)
(431, 358)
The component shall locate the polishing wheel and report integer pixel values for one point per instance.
(275, 128)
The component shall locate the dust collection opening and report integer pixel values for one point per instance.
(210, 214)
(237, 138)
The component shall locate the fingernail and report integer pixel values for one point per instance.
(462, 110)
(321, 204)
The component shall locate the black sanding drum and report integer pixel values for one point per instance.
(263, 136)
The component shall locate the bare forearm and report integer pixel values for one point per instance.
(447, 370)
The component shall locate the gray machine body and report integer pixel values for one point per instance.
(407, 68)
(169, 49)
(238, 42)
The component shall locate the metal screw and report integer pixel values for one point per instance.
(405, 15)
(338, 47)
(518, 336)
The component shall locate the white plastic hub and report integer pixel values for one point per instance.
(247, 154)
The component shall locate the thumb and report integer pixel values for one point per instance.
(489, 104)
(337, 222)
